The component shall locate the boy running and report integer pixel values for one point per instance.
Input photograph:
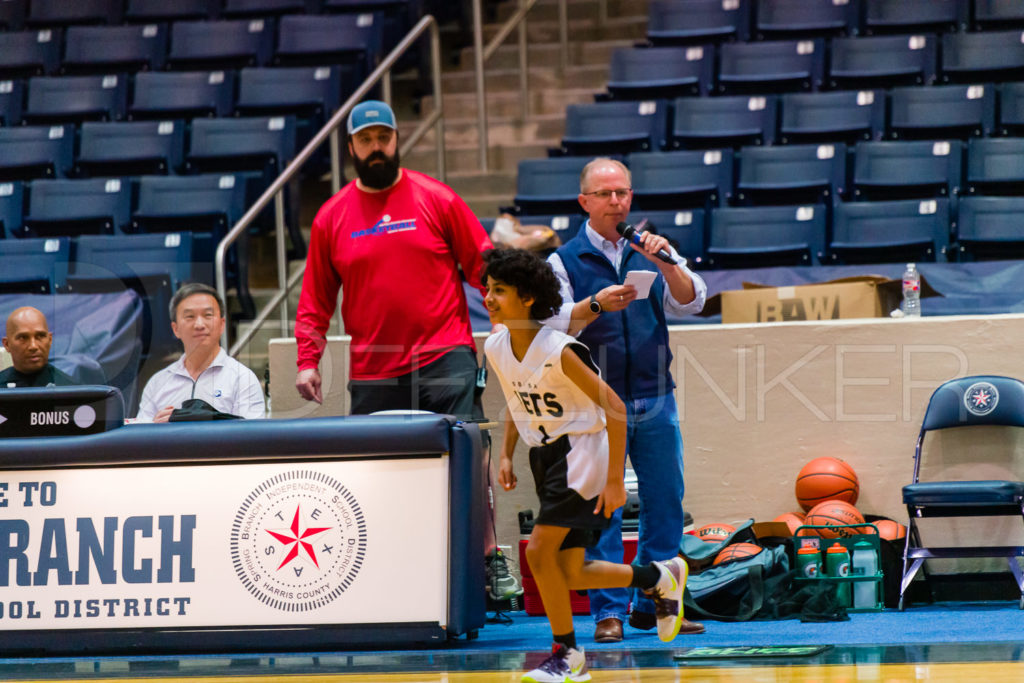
(575, 426)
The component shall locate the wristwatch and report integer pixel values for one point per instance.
(595, 305)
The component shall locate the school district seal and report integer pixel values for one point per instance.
(298, 541)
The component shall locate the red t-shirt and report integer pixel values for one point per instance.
(396, 253)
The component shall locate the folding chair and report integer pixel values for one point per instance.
(182, 94)
(975, 401)
(698, 21)
(901, 231)
(30, 53)
(989, 229)
(661, 72)
(766, 236)
(109, 49)
(882, 61)
(614, 127)
(771, 67)
(941, 111)
(730, 121)
(130, 148)
(842, 116)
(680, 180)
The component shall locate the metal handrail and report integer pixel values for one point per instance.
(330, 129)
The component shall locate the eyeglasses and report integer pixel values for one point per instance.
(603, 195)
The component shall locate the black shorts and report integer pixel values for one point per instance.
(559, 504)
(446, 385)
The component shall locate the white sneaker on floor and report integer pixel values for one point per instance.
(667, 596)
(564, 664)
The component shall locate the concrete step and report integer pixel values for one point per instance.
(466, 157)
(548, 10)
(580, 30)
(496, 80)
(496, 183)
(506, 130)
(508, 104)
(487, 206)
(580, 54)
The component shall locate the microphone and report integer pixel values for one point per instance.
(633, 235)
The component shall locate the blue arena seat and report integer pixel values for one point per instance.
(763, 236)
(549, 186)
(92, 206)
(264, 8)
(130, 148)
(76, 98)
(12, 14)
(1010, 112)
(996, 14)
(226, 44)
(30, 53)
(352, 42)
(684, 179)
(905, 16)
(109, 49)
(182, 94)
(900, 231)
(882, 61)
(731, 121)
(794, 174)
(661, 72)
(907, 170)
(995, 166)
(989, 228)
(771, 66)
(311, 93)
(941, 111)
(841, 116)
(684, 229)
(12, 97)
(697, 21)
(141, 11)
(614, 127)
(36, 152)
(982, 57)
(12, 200)
(62, 12)
(34, 266)
(804, 18)
(397, 16)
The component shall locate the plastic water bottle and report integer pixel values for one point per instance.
(809, 560)
(911, 292)
(837, 564)
(865, 563)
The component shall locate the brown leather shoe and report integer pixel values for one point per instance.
(645, 621)
(608, 631)
(691, 627)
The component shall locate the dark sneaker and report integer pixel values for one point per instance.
(564, 664)
(667, 596)
(501, 585)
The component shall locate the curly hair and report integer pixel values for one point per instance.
(529, 274)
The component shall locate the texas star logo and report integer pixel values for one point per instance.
(298, 541)
(981, 398)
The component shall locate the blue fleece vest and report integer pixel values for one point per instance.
(631, 346)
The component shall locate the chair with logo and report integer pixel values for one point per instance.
(938, 487)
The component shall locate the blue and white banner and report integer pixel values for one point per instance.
(347, 541)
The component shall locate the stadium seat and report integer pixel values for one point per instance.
(697, 21)
(549, 186)
(996, 14)
(614, 127)
(941, 111)
(12, 199)
(62, 12)
(995, 166)
(938, 488)
(352, 43)
(142, 11)
(185, 94)
(661, 72)
(989, 228)
(882, 61)
(12, 14)
(764, 236)
(771, 67)
(61, 99)
(712, 122)
(213, 45)
(986, 57)
(30, 53)
(110, 49)
(12, 95)
(263, 8)
(35, 152)
(901, 231)
(310, 93)
(397, 16)
(780, 19)
(679, 180)
(1010, 112)
(905, 16)
(130, 148)
(34, 266)
(91, 206)
(684, 229)
(907, 170)
(795, 174)
(845, 116)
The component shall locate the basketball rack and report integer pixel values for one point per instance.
(847, 535)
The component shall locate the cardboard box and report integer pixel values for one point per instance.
(855, 297)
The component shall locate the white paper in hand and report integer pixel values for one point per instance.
(642, 280)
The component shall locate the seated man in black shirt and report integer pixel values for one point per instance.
(28, 341)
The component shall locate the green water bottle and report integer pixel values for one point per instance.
(808, 559)
(837, 564)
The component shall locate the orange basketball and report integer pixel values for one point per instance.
(737, 551)
(833, 513)
(792, 520)
(714, 532)
(890, 530)
(826, 479)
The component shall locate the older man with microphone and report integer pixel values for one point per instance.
(618, 283)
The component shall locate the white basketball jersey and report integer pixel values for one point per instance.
(545, 404)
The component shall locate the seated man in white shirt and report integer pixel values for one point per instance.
(205, 370)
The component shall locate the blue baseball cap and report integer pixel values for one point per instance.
(370, 113)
